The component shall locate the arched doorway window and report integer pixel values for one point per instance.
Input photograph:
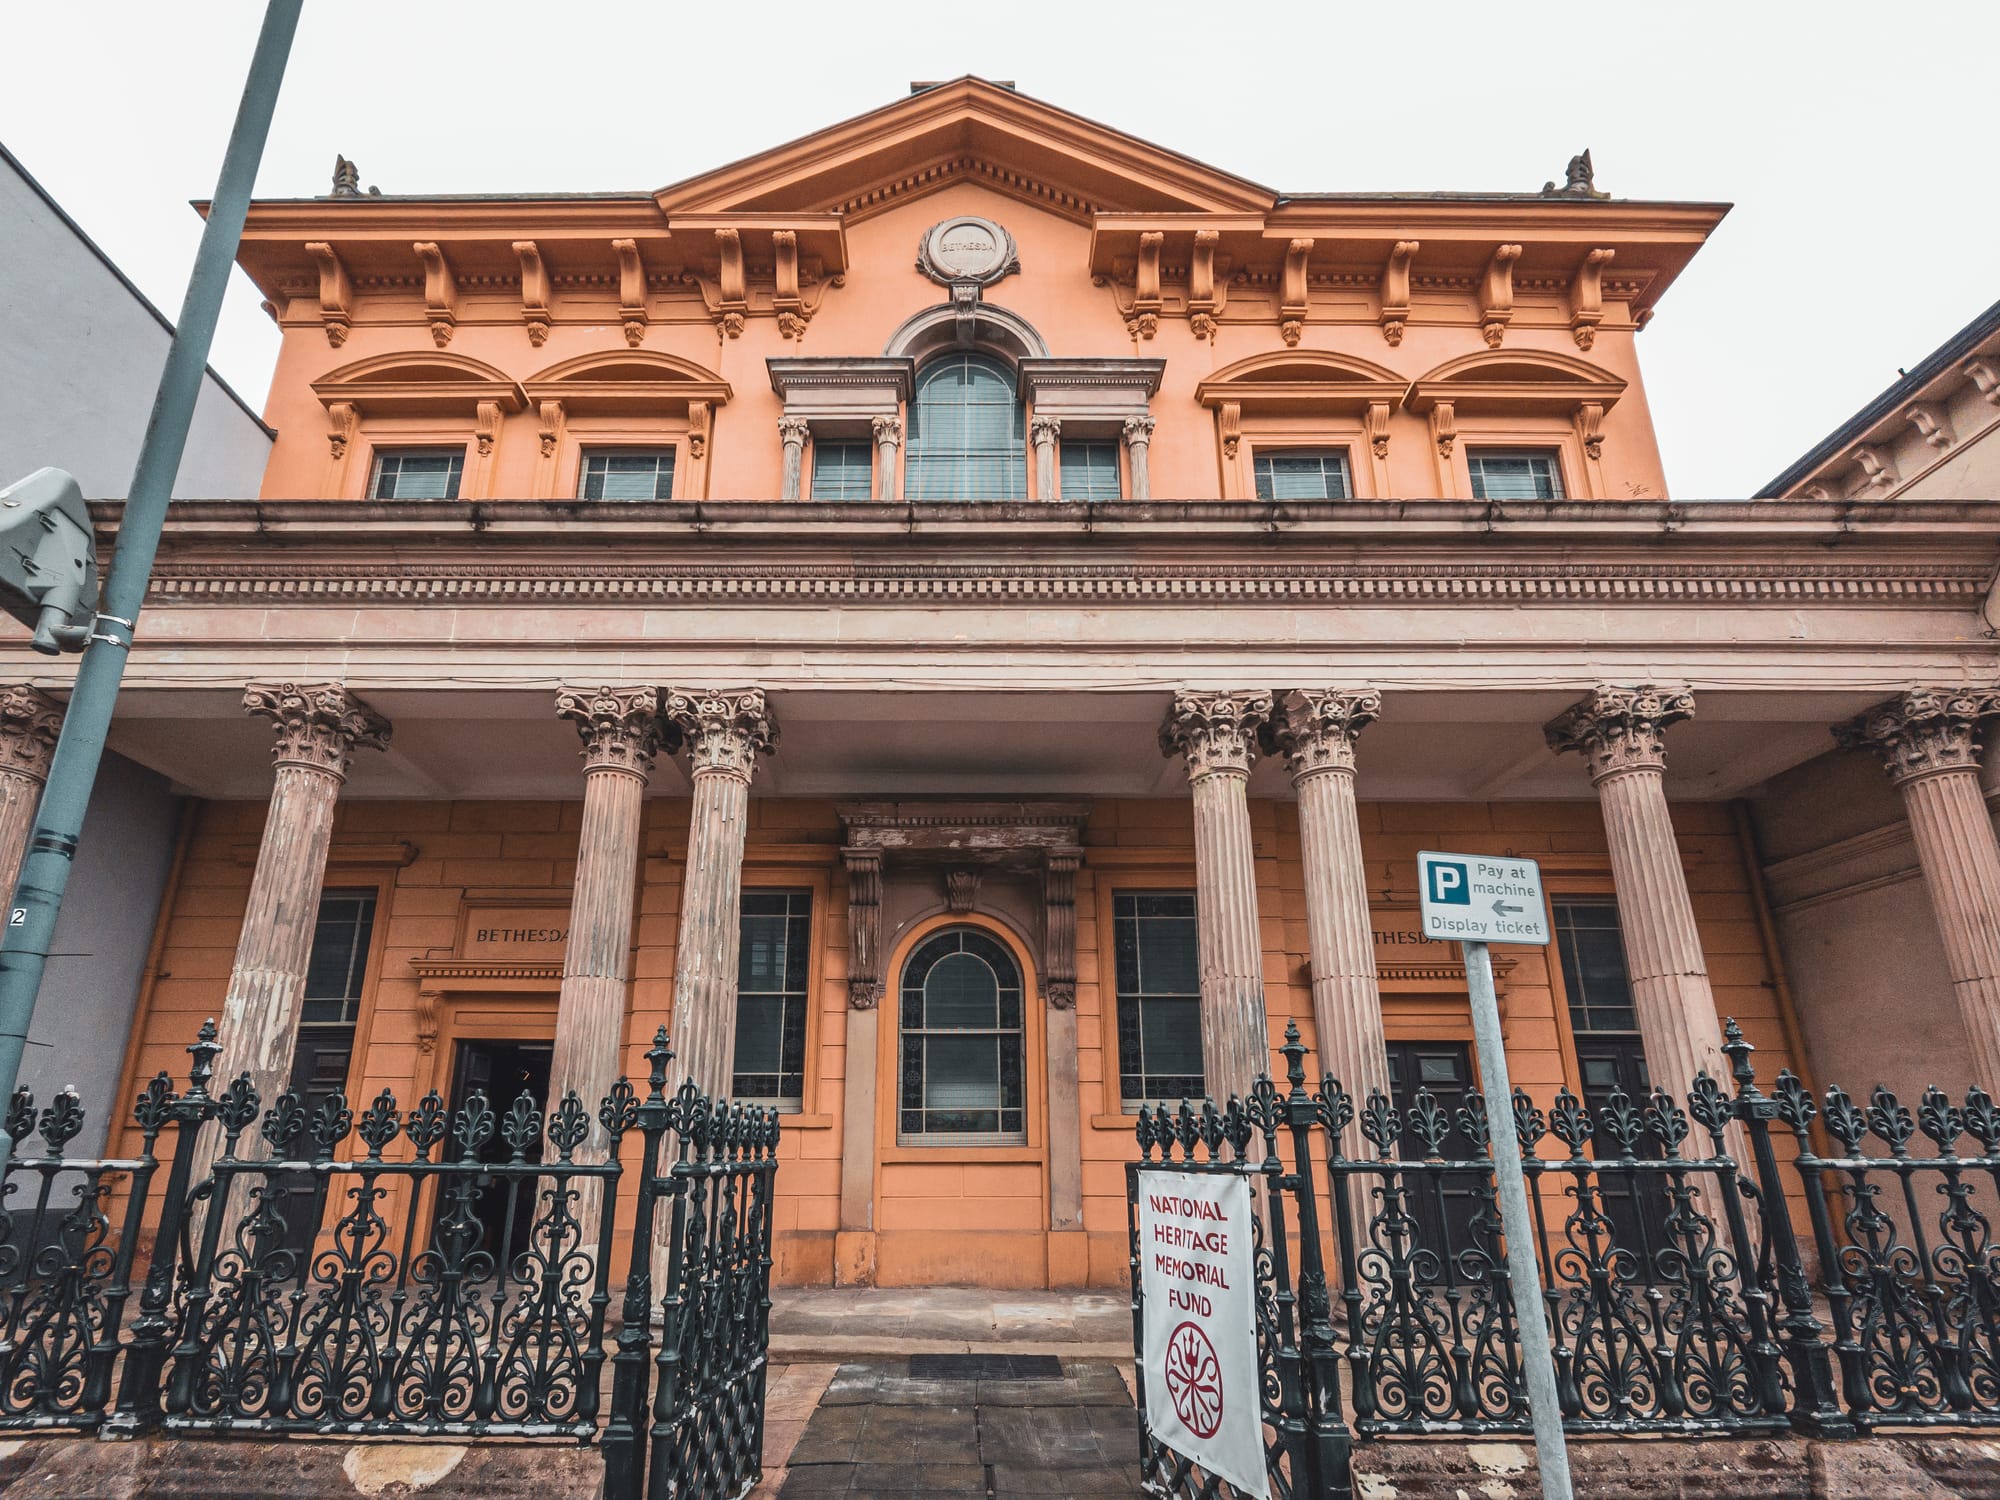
(963, 1058)
(967, 438)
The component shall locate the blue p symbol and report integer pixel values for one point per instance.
(1448, 885)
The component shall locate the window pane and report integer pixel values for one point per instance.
(337, 964)
(628, 474)
(1525, 475)
(842, 471)
(963, 1057)
(1302, 474)
(1089, 471)
(1593, 964)
(417, 474)
(1159, 995)
(967, 439)
(774, 935)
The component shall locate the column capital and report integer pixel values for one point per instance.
(1044, 430)
(888, 431)
(30, 722)
(723, 730)
(319, 724)
(1215, 731)
(1316, 728)
(1620, 728)
(619, 726)
(1139, 430)
(1923, 731)
(794, 430)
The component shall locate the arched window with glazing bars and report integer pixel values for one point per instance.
(967, 435)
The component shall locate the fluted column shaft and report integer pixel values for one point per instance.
(1317, 730)
(1215, 733)
(724, 732)
(1621, 732)
(319, 727)
(30, 723)
(1929, 742)
(620, 731)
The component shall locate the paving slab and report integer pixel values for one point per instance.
(880, 1431)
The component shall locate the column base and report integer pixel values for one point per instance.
(1069, 1258)
(854, 1257)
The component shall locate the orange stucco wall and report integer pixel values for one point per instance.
(954, 1214)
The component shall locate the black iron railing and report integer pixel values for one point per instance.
(1678, 1296)
(393, 1273)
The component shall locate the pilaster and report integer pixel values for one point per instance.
(30, 724)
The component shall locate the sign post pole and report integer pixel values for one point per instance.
(1524, 1271)
(1475, 898)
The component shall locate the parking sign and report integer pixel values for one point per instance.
(1481, 898)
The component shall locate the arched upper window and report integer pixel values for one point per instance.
(963, 1065)
(967, 437)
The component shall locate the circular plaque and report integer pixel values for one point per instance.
(967, 248)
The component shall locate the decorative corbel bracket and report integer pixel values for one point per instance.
(440, 292)
(1059, 868)
(1932, 422)
(965, 312)
(534, 291)
(1229, 417)
(1444, 427)
(1496, 300)
(1984, 374)
(698, 429)
(1293, 300)
(734, 305)
(427, 1020)
(1878, 466)
(1377, 421)
(1203, 303)
(1590, 429)
(551, 421)
(864, 927)
(1396, 291)
(343, 422)
(631, 291)
(1144, 319)
(336, 293)
(793, 314)
(486, 426)
(1586, 295)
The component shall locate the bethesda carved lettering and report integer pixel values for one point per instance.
(620, 727)
(1923, 731)
(319, 724)
(1621, 728)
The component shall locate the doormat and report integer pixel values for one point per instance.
(985, 1367)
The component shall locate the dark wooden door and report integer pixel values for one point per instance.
(1611, 1062)
(1444, 1204)
(502, 1070)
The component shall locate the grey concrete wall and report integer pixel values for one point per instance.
(80, 355)
(84, 1013)
(1857, 932)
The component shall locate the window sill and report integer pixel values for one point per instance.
(805, 1122)
(1125, 1120)
(946, 1151)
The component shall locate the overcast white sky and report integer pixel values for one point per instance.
(1856, 140)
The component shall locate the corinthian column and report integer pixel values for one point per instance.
(1621, 733)
(723, 734)
(620, 730)
(319, 727)
(1216, 734)
(888, 433)
(1316, 731)
(1928, 740)
(30, 721)
(1138, 442)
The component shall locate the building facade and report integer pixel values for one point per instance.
(968, 618)
(79, 362)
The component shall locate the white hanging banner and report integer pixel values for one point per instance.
(1197, 1274)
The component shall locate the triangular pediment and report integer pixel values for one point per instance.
(967, 129)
